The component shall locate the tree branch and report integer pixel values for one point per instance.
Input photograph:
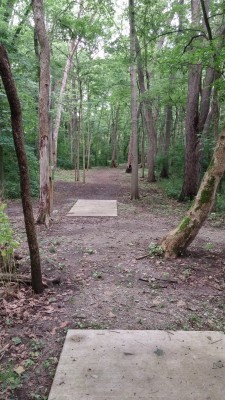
(205, 16)
(23, 20)
(191, 40)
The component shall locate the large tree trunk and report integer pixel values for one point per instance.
(43, 113)
(192, 150)
(17, 130)
(180, 238)
(194, 120)
(1, 173)
(134, 108)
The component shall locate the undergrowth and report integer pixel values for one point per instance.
(7, 242)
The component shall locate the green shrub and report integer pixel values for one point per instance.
(7, 243)
(11, 170)
(172, 186)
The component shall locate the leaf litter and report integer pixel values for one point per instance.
(134, 292)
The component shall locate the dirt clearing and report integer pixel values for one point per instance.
(106, 282)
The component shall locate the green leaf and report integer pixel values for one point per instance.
(17, 340)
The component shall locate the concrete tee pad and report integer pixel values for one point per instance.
(140, 365)
(94, 208)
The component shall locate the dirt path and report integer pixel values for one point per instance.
(104, 284)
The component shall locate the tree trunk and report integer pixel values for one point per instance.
(1, 174)
(17, 130)
(180, 238)
(81, 127)
(192, 154)
(205, 98)
(114, 128)
(88, 132)
(215, 113)
(142, 147)
(134, 131)
(192, 164)
(88, 146)
(43, 114)
(192, 150)
(148, 116)
(73, 46)
(166, 146)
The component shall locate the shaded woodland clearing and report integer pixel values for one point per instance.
(104, 281)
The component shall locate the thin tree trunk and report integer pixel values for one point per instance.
(22, 22)
(77, 142)
(215, 113)
(81, 127)
(88, 134)
(51, 170)
(43, 114)
(114, 127)
(17, 130)
(148, 116)
(71, 130)
(73, 46)
(143, 147)
(180, 238)
(206, 98)
(73, 124)
(169, 121)
(88, 146)
(134, 108)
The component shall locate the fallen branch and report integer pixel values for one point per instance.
(141, 257)
(3, 350)
(19, 278)
(157, 279)
(153, 311)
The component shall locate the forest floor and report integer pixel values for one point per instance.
(105, 281)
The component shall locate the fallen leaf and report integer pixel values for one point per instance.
(19, 370)
(111, 315)
(16, 340)
(181, 303)
(63, 324)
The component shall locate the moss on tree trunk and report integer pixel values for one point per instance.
(180, 238)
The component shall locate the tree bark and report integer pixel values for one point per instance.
(215, 113)
(142, 146)
(192, 149)
(205, 98)
(114, 127)
(88, 139)
(180, 238)
(73, 46)
(193, 162)
(17, 131)
(81, 127)
(148, 116)
(1, 174)
(43, 114)
(169, 119)
(134, 108)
